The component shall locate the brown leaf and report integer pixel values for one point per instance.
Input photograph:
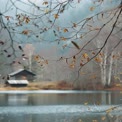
(101, 54)
(74, 57)
(65, 30)
(98, 59)
(7, 17)
(1, 42)
(46, 61)
(45, 3)
(20, 48)
(85, 55)
(74, 25)
(93, 53)
(92, 8)
(96, 28)
(63, 38)
(75, 44)
(8, 56)
(72, 65)
(36, 58)
(27, 19)
(81, 64)
(25, 32)
(56, 16)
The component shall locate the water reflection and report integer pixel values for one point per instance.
(17, 100)
(104, 98)
(60, 118)
(52, 107)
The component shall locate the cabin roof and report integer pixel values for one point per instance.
(17, 82)
(19, 71)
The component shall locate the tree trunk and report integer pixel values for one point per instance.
(110, 69)
(103, 69)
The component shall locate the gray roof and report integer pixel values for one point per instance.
(18, 82)
(20, 70)
(16, 72)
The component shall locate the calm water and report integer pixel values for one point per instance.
(60, 106)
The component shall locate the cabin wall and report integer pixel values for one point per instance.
(18, 85)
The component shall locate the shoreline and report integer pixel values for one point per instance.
(54, 85)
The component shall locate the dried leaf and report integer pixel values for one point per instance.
(1, 42)
(56, 16)
(27, 19)
(88, 59)
(19, 62)
(45, 3)
(74, 25)
(81, 64)
(25, 32)
(101, 54)
(74, 57)
(7, 17)
(92, 8)
(72, 65)
(23, 54)
(98, 59)
(46, 61)
(75, 44)
(65, 30)
(20, 48)
(63, 38)
(102, 15)
(85, 55)
(93, 53)
(36, 58)
(8, 56)
(96, 28)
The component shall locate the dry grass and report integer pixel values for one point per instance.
(45, 85)
(55, 85)
(59, 85)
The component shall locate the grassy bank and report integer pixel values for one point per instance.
(62, 85)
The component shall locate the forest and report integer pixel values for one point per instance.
(73, 41)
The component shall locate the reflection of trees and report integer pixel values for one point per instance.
(118, 118)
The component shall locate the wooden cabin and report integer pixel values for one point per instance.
(22, 74)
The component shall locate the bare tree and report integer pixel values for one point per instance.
(47, 22)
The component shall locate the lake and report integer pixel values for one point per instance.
(60, 106)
